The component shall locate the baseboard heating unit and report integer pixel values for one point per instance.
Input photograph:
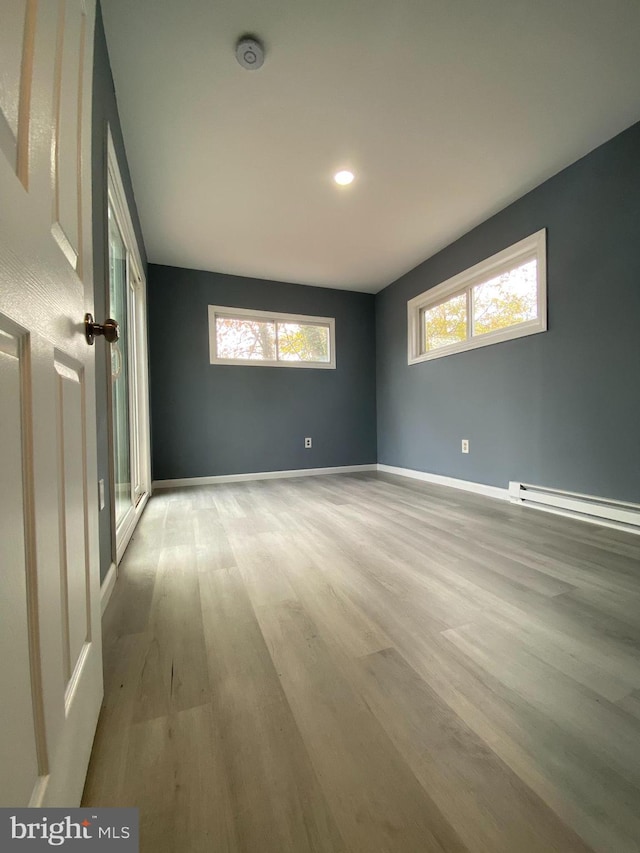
(610, 513)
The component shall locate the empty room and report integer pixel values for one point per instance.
(320, 426)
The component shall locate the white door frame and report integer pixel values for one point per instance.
(116, 197)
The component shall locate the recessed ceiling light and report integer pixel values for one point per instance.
(343, 178)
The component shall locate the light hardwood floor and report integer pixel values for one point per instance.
(363, 663)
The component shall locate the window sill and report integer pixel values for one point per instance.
(521, 331)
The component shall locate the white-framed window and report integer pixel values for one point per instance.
(243, 336)
(501, 298)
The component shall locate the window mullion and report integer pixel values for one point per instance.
(276, 324)
(469, 314)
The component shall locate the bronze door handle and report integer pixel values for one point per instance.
(92, 329)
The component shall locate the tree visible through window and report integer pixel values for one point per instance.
(498, 299)
(300, 342)
(499, 303)
(446, 323)
(506, 300)
(263, 337)
(246, 339)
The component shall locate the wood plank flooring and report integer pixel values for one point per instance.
(362, 663)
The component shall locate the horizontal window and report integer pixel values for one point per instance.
(499, 299)
(264, 338)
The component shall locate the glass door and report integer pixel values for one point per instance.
(129, 381)
(129, 405)
(121, 426)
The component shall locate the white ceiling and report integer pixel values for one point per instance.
(446, 110)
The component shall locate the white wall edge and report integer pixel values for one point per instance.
(453, 483)
(107, 587)
(261, 475)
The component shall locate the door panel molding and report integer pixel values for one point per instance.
(25, 733)
(19, 23)
(18, 748)
(68, 96)
(75, 590)
(26, 85)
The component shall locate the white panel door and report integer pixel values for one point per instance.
(51, 661)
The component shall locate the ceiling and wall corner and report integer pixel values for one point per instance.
(446, 112)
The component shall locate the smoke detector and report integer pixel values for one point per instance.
(250, 53)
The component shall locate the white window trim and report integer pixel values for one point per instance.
(249, 313)
(527, 249)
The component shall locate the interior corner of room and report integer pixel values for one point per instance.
(552, 409)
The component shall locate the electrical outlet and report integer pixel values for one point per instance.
(101, 493)
(465, 445)
(307, 443)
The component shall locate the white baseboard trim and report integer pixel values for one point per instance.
(261, 475)
(606, 512)
(107, 587)
(452, 482)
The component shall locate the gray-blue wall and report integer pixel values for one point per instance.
(105, 113)
(226, 419)
(559, 409)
